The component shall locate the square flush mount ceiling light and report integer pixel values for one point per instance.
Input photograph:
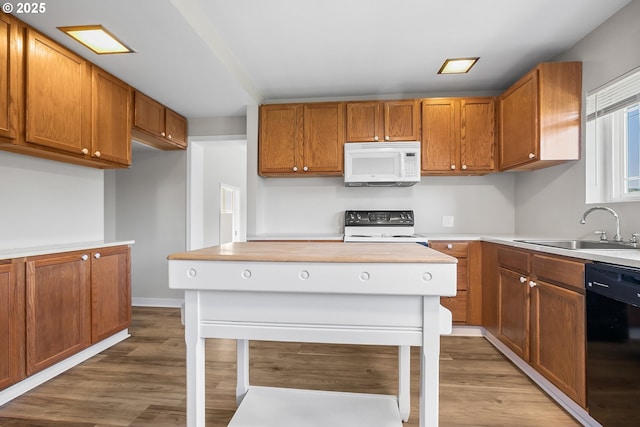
(457, 65)
(96, 38)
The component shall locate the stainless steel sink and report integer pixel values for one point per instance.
(582, 244)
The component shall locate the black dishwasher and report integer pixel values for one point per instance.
(613, 344)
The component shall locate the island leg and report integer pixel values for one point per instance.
(195, 361)
(404, 381)
(430, 362)
(242, 362)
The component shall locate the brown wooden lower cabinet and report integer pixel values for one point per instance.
(58, 308)
(12, 368)
(558, 322)
(73, 300)
(466, 306)
(110, 291)
(513, 317)
(539, 312)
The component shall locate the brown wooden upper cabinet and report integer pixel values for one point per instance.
(9, 37)
(372, 121)
(58, 97)
(458, 136)
(54, 104)
(111, 118)
(540, 117)
(301, 139)
(158, 126)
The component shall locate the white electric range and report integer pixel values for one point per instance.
(381, 226)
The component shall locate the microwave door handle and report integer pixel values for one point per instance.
(383, 184)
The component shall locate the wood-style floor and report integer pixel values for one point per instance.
(141, 381)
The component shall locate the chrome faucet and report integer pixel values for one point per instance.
(617, 237)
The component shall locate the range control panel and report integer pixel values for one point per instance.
(377, 218)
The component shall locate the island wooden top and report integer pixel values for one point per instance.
(317, 252)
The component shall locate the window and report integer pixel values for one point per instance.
(613, 141)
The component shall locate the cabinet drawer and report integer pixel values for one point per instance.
(457, 305)
(513, 259)
(559, 270)
(456, 249)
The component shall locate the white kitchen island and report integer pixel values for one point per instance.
(344, 293)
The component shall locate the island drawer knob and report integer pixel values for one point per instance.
(192, 272)
(427, 276)
(246, 274)
(304, 274)
(364, 276)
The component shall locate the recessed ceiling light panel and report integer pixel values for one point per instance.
(457, 65)
(96, 38)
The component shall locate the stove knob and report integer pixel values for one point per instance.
(358, 216)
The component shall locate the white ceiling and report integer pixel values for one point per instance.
(212, 58)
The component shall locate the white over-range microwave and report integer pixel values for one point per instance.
(381, 164)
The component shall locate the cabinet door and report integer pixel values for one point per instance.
(519, 137)
(11, 324)
(176, 128)
(401, 120)
(148, 115)
(364, 121)
(58, 96)
(440, 134)
(513, 315)
(110, 292)
(8, 77)
(323, 139)
(477, 136)
(58, 304)
(558, 338)
(281, 128)
(111, 118)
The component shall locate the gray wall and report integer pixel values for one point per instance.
(550, 202)
(151, 209)
(45, 202)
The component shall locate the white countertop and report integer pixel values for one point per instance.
(629, 257)
(66, 247)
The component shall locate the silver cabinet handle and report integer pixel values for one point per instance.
(532, 156)
(84, 257)
(97, 154)
(464, 167)
(449, 246)
(97, 255)
(295, 169)
(453, 167)
(532, 284)
(305, 168)
(375, 138)
(523, 279)
(84, 151)
(162, 134)
(169, 136)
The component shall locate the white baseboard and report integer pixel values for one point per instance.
(36, 379)
(157, 302)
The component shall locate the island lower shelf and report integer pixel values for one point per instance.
(285, 407)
